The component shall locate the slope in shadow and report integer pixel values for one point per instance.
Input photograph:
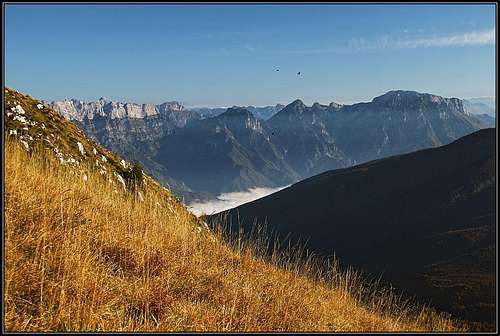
(425, 220)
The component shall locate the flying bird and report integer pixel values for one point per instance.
(277, 69)
(298, 73)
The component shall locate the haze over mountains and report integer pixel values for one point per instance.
(488, 101)
(483, 109)
(202, 153)
(480, 107)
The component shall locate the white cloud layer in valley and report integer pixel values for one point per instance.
(230, 200)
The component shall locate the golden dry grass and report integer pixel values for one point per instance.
(82, 257)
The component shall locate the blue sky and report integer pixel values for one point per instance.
(224, 55)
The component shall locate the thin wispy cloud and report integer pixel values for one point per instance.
(235, 34)
(361, 44)
(253, 48)
(472, 38)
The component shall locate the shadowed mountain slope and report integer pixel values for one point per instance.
(410, 217)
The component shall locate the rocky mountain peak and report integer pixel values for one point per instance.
(334, 105)
(318, 107)
(171, 106)
(295, 107)
(298, 103)
(236, 111)
(412, 99)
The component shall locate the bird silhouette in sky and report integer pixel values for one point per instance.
(298, 73)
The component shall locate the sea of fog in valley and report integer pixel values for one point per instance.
(231, 200)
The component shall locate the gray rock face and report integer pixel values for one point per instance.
(306, 139)
(77, 110)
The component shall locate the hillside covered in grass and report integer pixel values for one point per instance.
(85, 252)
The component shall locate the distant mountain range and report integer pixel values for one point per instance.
(488, 101)
(199, 155)
(482, 108)
(424, 220)
(476, 107)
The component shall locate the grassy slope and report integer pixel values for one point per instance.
(85, 256)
